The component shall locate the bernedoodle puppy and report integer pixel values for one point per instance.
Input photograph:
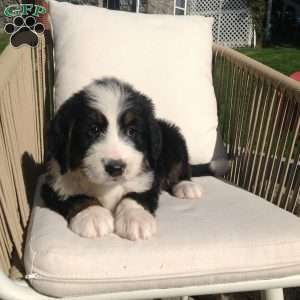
(108, 160)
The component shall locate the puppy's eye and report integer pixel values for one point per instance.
(131, 131)
(94, 130)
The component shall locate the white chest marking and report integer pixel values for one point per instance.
(74, 183)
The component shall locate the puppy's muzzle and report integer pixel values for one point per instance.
(115, 167)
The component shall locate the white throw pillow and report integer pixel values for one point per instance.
(165, 57)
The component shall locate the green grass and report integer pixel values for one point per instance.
(4, 40)
(284, 60)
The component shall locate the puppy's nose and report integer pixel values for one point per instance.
(115, 167)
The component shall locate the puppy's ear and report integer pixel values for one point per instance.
(59, 138)
(155, 141)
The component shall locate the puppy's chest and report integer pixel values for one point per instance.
(108, 195)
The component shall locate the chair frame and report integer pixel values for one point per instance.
(259, 165)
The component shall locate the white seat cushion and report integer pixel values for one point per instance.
(165, 57)
(228, 235)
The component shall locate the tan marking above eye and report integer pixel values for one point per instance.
(128, 117)
(101, 118)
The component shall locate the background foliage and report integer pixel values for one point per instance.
(259, 11)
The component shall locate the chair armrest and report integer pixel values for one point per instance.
(24, 109)
(259, 113)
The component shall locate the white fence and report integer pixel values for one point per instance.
(233, 25)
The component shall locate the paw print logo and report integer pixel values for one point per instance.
(24, 31)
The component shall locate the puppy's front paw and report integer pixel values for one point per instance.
(92, 222)
(187, 189)
(135, 224)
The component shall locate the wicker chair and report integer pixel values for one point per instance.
(260, 122)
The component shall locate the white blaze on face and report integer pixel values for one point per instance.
(110, 101)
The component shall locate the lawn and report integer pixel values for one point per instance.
(284, 60)
(4, 39)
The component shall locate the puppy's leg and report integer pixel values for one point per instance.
(92, 222)
(134, 216)
(187, 189)
(84, 214)
(133, 222)
(175, 169)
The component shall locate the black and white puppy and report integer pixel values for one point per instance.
(108, 160)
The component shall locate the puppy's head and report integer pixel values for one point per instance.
(108, 131)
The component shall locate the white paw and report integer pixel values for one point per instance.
(187, 189)
(135, 224)
(92, 222)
